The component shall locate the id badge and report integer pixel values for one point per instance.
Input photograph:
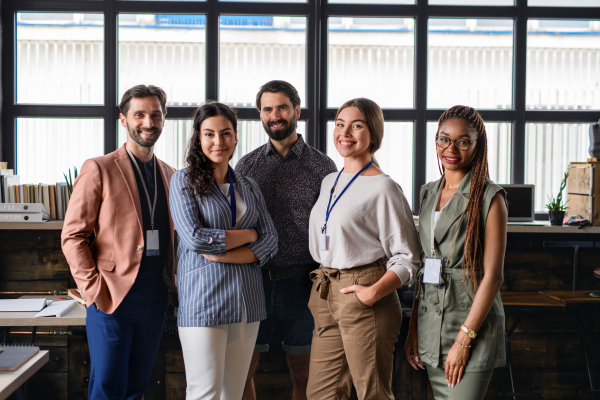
(324, 242)
(433, 269)
(152, 243)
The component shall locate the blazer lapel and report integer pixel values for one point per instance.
(454, 210)
(222, 205)
(425, 219)
(124, 164)
(248, 197)
(166, 177)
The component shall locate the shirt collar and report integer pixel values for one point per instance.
(296, 149)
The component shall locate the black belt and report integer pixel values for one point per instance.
(296, 271)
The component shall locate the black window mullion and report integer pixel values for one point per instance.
(212, 51)
(313, 73)
(323, 51)
(420, 83)
(8, 149)
(111, 67)
(519, 93)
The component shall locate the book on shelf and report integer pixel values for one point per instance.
(76, 295)
(54, 197)
(3, 165)
(6, 172)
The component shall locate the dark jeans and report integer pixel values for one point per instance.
(123, 345)
(287, 305)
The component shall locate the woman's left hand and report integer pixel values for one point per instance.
(364, 293)
(213, 257)
(456, 363)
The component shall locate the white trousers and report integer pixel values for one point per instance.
(217, 359)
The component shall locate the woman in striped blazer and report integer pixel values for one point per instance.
(225, 236)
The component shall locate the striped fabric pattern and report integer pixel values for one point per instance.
(212, 293)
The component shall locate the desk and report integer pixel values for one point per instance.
(74, 317)
(550, 300)
(11, 381)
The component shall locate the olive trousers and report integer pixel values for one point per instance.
(472, 386)
(352, 342)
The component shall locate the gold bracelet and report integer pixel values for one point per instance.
(466, 347)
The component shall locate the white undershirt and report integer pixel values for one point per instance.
(240, 205)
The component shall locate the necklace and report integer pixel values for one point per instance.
(451, 187)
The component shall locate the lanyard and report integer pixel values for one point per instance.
(152, 207)
(232, 195)
(324, 228)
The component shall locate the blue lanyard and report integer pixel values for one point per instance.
(324, 228)
(232, 195)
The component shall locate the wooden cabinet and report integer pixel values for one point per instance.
(583, 191)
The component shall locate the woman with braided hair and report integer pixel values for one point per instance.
(457, 326)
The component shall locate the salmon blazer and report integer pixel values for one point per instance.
(105, 201)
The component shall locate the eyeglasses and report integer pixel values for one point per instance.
(460, 144)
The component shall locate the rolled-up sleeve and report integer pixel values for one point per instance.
(402, 244)
(266, 245)
(185, 214)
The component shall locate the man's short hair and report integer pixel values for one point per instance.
(141, 91)
(277, 87)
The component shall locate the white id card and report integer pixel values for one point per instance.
(433, 269)
(324, 242)
(152, 243)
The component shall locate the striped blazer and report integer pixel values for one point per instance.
(213, 293)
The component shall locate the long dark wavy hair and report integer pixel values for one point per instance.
(199, 172)
(473, 251)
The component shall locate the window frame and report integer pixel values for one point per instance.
(315, 112)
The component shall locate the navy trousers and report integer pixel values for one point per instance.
(123, 345)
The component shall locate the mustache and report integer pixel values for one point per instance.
(281, 121)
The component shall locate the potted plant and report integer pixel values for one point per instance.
(556, 207)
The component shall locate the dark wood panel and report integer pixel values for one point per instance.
(48, 386)
(33, 265)
(79, 367)
(175, 386)
(22, 240)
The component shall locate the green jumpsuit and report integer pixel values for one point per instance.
(444, 308)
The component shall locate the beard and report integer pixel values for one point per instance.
(281, 134)
(136, 135)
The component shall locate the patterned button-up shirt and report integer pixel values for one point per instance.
(291, 186)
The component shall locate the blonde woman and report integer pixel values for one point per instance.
(363, 235)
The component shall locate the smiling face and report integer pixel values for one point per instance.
(451, 158)
(278, 115)
(144, 121)
(217, 139)
(351, 135)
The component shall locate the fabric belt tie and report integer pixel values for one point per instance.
(324, 277)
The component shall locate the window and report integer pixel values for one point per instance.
(536, 81)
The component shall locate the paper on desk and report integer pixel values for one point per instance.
(22, 305)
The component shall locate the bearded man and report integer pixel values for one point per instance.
(289, 173)
(126, 275)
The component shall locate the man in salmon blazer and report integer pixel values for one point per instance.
(127, 274)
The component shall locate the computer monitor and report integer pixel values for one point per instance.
(520, 200)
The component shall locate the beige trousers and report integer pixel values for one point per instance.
(352, 342)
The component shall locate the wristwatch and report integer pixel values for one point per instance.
(470, 332)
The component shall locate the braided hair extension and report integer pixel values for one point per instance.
(473, 252)
(199, 172)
